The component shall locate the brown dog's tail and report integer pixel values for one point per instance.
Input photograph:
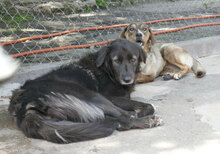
(197, 68)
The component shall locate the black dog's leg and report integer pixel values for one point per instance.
(144, 118)
(134, 123)
(147, 122)
(142, 109)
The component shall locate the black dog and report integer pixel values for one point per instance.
(85, 100)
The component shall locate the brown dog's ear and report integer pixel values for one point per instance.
(152, 37)
(142, 57)
(101, 56)
(123, 33)
(150, 41)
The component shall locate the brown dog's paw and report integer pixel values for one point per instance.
(177, 76)
(166, 77)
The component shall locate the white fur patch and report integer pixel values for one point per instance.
(177, 76)
(115, 58)
(86, 111)
(8, 65)
(140, 32)
(58, 135)
(29, 106)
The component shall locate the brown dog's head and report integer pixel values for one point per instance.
(140, 33)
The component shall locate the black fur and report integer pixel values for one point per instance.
(84, 100)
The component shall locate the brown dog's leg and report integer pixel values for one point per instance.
(166, 70)
(184, 69)
(169, 74)
(144, 78)
(178, 57)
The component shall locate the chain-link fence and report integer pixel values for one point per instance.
(28, 18)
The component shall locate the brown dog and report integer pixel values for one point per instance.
(168, 60)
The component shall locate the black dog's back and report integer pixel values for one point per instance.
(75, 103)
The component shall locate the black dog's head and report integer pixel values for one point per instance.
(121, 59)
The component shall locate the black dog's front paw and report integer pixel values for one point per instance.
(148, 122)
(145, 110)
(153, 121)
(166, 77)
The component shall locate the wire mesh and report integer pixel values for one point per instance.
(28, 18)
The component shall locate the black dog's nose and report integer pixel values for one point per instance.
(127, 79)
(138, 35)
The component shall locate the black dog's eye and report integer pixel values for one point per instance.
(131, 29)
(133, 60)
(116, 61)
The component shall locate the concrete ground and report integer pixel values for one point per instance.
(189, 108)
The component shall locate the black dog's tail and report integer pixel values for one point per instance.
(61, 118)
(36, 126)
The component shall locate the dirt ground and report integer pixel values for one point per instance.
(147, 11)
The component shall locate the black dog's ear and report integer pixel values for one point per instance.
(142, 55)
(123, 33)
(101, 56)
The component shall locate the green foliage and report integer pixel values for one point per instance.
(103, 4)
(208, 5)
(133, 2)
(88, 9)
(13, 21)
